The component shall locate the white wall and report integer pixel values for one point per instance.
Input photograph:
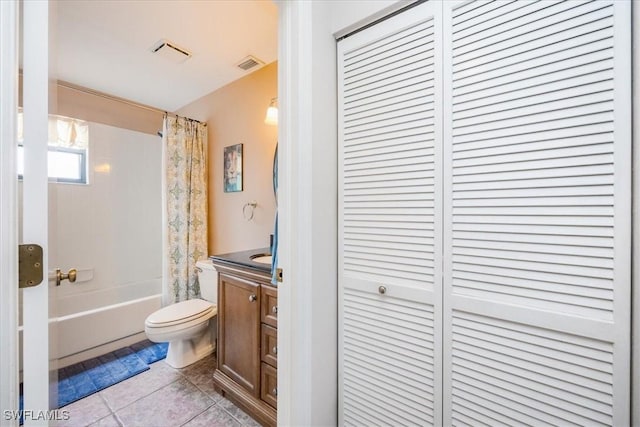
(348, 15)
(307, 332)
(110, 229)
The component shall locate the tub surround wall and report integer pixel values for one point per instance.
(111, 228)
(235, 115)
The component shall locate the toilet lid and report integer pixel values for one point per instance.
(180, 312)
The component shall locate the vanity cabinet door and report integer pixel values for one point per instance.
(239, 329)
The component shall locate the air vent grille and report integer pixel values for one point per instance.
(170, 51)
(250, 62)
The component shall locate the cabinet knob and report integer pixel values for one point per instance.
(275, 392)
(274, 350)
(274, 309)
(253, 298)
(382, 290)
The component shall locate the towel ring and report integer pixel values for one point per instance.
(248, 213)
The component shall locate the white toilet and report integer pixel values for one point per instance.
(188, 326)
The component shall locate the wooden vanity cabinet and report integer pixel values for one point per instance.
(247, 342)
(239, 331)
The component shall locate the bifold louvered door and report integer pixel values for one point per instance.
(390, 119)
(537, 212)
(485, 216)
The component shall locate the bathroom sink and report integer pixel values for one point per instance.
(261, 258)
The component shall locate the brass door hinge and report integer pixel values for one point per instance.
(29, 265)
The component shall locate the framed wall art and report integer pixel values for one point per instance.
(233, 168)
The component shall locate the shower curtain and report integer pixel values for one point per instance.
(184, 147)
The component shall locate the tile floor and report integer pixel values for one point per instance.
(161, 396)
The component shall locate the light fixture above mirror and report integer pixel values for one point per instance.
(272, 113)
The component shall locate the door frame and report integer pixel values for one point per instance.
(635, 228)
(308, 202)
(307, 214)
(35, 101)
(9, 390)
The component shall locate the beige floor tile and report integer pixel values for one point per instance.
(170, 406)
(201, 375)
(213, 417)
(108, 421)
(237, 413)
(85, 412)
(161, 396)
(125, 393)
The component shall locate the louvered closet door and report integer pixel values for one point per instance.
(537, 213)
(389, 274)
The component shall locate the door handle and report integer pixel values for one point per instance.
(70, 276)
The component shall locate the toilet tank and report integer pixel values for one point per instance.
(208, 279)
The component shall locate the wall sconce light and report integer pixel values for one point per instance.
(272, 113)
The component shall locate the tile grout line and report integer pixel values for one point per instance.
(139, 398)
(183, 377)
(215, 402)
(213, 396)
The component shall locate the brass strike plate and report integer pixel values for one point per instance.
(279, 274)
(29, 265)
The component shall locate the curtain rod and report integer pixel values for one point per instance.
(188, 118)
(107, 96)
(117, 98)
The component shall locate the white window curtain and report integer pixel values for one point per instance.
(184, 151)
(64, 132)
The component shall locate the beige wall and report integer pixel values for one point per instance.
(84, 104)
(79, 104)
(235, 115)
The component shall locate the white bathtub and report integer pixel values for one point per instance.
(88, 333)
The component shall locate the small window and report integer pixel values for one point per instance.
(67, 154)
(64, 164)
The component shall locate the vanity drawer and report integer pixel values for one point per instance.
(269, 388)
(269, 345)
(269, 309)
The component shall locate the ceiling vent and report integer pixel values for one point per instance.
(249, 63)
(170, 51)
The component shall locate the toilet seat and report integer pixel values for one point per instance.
(181, 313)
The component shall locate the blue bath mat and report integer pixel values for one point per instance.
(90, 376)
(85, 378)
(150, 352)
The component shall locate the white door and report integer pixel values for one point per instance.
(485, 216)
(537, 213)
(35, 355)
(8, 212)
(390, 292)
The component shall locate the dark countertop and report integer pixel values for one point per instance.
(243, 259)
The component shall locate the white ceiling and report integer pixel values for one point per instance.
(105, 45)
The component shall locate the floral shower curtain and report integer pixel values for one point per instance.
(185, 199)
